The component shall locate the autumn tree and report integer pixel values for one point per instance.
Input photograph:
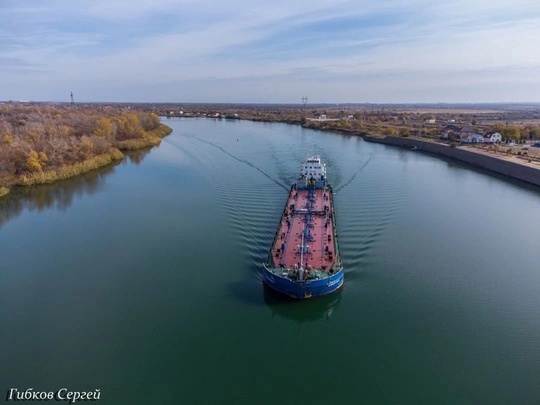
(129, 127)
(404, 132)
(105, 128)
(33, 164)
(149, 121)
(511, 132)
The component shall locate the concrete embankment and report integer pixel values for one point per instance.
(503, 166)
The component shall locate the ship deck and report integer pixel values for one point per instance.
(319, 235)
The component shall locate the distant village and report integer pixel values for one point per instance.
(461, 124)
(452, 123)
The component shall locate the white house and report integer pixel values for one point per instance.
(473, 138)
(492, 137)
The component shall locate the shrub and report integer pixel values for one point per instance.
(3, 191)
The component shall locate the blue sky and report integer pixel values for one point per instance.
(332, 51)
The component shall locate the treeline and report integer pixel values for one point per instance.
(40, 144)
(517, 132)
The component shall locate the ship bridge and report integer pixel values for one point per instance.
(312, 173)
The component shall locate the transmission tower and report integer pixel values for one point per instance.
(304, 101)
(72, 101)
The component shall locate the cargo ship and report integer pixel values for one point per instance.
(304, 260)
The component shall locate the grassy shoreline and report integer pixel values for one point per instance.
(66, 172)
(149, 139)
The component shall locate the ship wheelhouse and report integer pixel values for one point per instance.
(313, 171)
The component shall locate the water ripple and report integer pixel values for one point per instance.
(246, 162)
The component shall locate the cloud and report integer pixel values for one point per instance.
(131, 46)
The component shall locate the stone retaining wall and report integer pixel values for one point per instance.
(501, 166)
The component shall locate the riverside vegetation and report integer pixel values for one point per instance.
(41, 143)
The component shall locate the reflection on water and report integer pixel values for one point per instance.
(60, 195)
(137, 156)
(309, 311)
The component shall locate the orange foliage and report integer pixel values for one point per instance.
(38, 137)
(32, 163)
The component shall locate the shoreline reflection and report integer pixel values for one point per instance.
(61, 194)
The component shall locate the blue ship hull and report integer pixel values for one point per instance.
(304, 260)
(303, 289)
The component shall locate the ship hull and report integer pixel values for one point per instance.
(305, 289)
(304, 260)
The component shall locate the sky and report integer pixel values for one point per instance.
(270, 51)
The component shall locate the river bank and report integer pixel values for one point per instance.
(148, 139)
(510, 167)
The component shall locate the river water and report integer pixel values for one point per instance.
(142, 279)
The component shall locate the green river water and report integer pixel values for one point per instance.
(142, 279)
